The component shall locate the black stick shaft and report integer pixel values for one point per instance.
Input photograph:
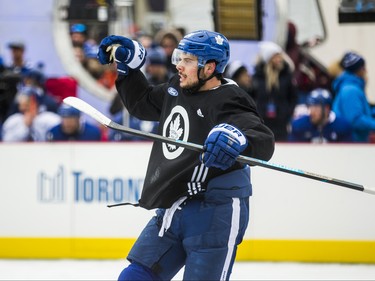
(101, 118)
(241, 158)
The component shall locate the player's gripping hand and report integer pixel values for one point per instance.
(125, 52)
(222, 146)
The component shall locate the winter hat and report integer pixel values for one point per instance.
(78, 28)
(268, 49)
(234, 68)
(352, 62)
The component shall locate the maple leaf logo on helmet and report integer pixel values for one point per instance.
(219, 40)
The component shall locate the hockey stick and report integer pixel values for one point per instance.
(104, 120)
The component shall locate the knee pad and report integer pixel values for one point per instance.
(136, 271)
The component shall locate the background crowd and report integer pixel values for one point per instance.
(298, 99)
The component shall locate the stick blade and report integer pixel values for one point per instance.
(369, 190)
(88, 109)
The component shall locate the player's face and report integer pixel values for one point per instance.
(187, 67)
(70, 125)
(317, 113)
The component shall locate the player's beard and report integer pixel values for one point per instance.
(195, 85)
(192, 85)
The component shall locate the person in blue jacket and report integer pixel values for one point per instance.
(351, 102)
(72, 127)
(321, 125)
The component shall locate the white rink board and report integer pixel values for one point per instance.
(38, 212)
(285, 206)
(39, 184)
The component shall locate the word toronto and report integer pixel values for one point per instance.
(87, 189)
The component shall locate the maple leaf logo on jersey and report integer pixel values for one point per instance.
(175, 131)
(219, 40)
(176, 127)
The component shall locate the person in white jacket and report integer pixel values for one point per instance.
(31, 123)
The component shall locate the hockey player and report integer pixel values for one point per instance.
(72, 127)
(202, 200)
(321, 125)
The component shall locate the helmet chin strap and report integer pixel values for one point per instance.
(201, 82)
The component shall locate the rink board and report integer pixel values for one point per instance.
(54, 197)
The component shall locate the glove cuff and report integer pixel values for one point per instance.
(138, 58)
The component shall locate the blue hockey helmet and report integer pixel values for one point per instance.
(319, 97)
(206, 46)
(68, 111)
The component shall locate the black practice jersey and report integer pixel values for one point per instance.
(175, 171)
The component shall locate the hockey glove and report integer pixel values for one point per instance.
(222, 146)
(125, 52)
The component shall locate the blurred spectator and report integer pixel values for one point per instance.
(130, 121)
(238, 72)
(18, 75)
(35, 78)
(321, 125)
(145, 39)
(103, 74)
(308, 73)
(85, 51)
(93, 67)
(292, 48)
(109, 75)
(351, 102)
(303, 73)
(79, 54)
(274, 90)
(79, 37)
(8, 90)
(18, 64)
(31, 123)
(72, 127)
(88, 58)
(78, 34)
(155, 68)
(168, 39)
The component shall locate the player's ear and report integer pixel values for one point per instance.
(210, 67)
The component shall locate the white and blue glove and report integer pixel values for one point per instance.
(222, 146)
(125, 52)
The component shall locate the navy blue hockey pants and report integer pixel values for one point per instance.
(204, 232)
